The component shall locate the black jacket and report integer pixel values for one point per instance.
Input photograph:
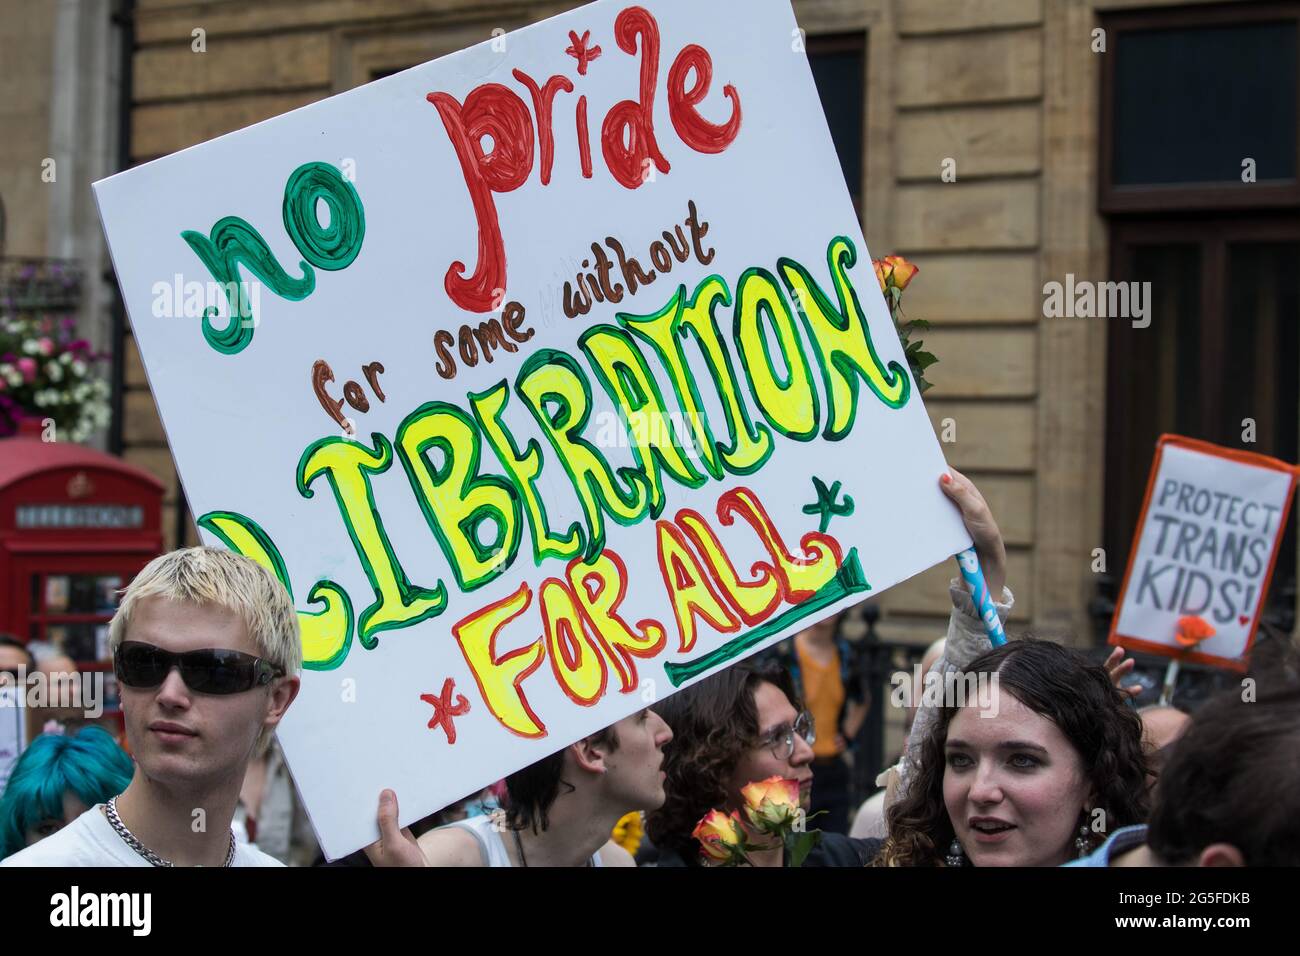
(835, 849)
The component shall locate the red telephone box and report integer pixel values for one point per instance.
(76, 525)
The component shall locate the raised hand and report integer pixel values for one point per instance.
(1118, 667)
(983, 529)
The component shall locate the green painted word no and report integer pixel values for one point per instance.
(233, 241)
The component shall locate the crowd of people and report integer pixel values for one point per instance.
(1056, 767)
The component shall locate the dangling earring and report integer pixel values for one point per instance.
(956, 855)
(1082, 843)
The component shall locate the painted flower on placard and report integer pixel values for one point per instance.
(772, 805)
(1192, 630)
(722, 838)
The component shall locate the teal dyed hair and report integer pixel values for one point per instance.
(89, 764)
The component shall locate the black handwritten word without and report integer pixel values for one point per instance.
(598, 284)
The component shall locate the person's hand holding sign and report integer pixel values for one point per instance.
(395, 847)
(979, 523)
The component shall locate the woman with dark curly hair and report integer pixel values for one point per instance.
(733, 728)
(1038, 770)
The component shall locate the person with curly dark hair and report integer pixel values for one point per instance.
(1028, 754)
(733, 728)
(1038, 770)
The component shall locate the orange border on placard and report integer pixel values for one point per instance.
(1218, 451)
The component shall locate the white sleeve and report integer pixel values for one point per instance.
(966, 641)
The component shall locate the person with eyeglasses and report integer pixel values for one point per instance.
(738, 726)
(827, 672)
(207, 653)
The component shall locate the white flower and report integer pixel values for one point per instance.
(30, 347)
(78, 367)
(66, 358)
(55, 371)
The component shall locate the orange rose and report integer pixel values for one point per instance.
(721, 836)
(882, 272)
(1192, 630)
(900, 270)
(772, 805)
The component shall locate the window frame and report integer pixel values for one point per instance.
(848, 41)
(1211, 234)
(1200, 197)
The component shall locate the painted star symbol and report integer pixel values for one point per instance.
(581, 52)
(826, 505)
(444, 710)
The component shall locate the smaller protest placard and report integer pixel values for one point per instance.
(1204, 551)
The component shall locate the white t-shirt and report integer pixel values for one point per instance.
(491, 842)
(90, 840)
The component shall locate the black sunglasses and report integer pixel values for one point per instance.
(209, 671)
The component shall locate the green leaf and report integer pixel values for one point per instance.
(925, 359)
(804, 845)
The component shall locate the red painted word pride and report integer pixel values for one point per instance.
(628, 142)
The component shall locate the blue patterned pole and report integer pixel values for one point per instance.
(969, 563)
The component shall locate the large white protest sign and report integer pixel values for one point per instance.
(550, 376)
(1205, 548)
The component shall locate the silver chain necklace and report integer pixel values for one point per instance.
(519, 848)
(129, 838)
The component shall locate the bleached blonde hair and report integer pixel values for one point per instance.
(219, 578)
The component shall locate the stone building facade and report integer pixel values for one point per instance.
(1005, 96)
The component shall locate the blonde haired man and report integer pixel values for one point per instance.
(207, 653)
